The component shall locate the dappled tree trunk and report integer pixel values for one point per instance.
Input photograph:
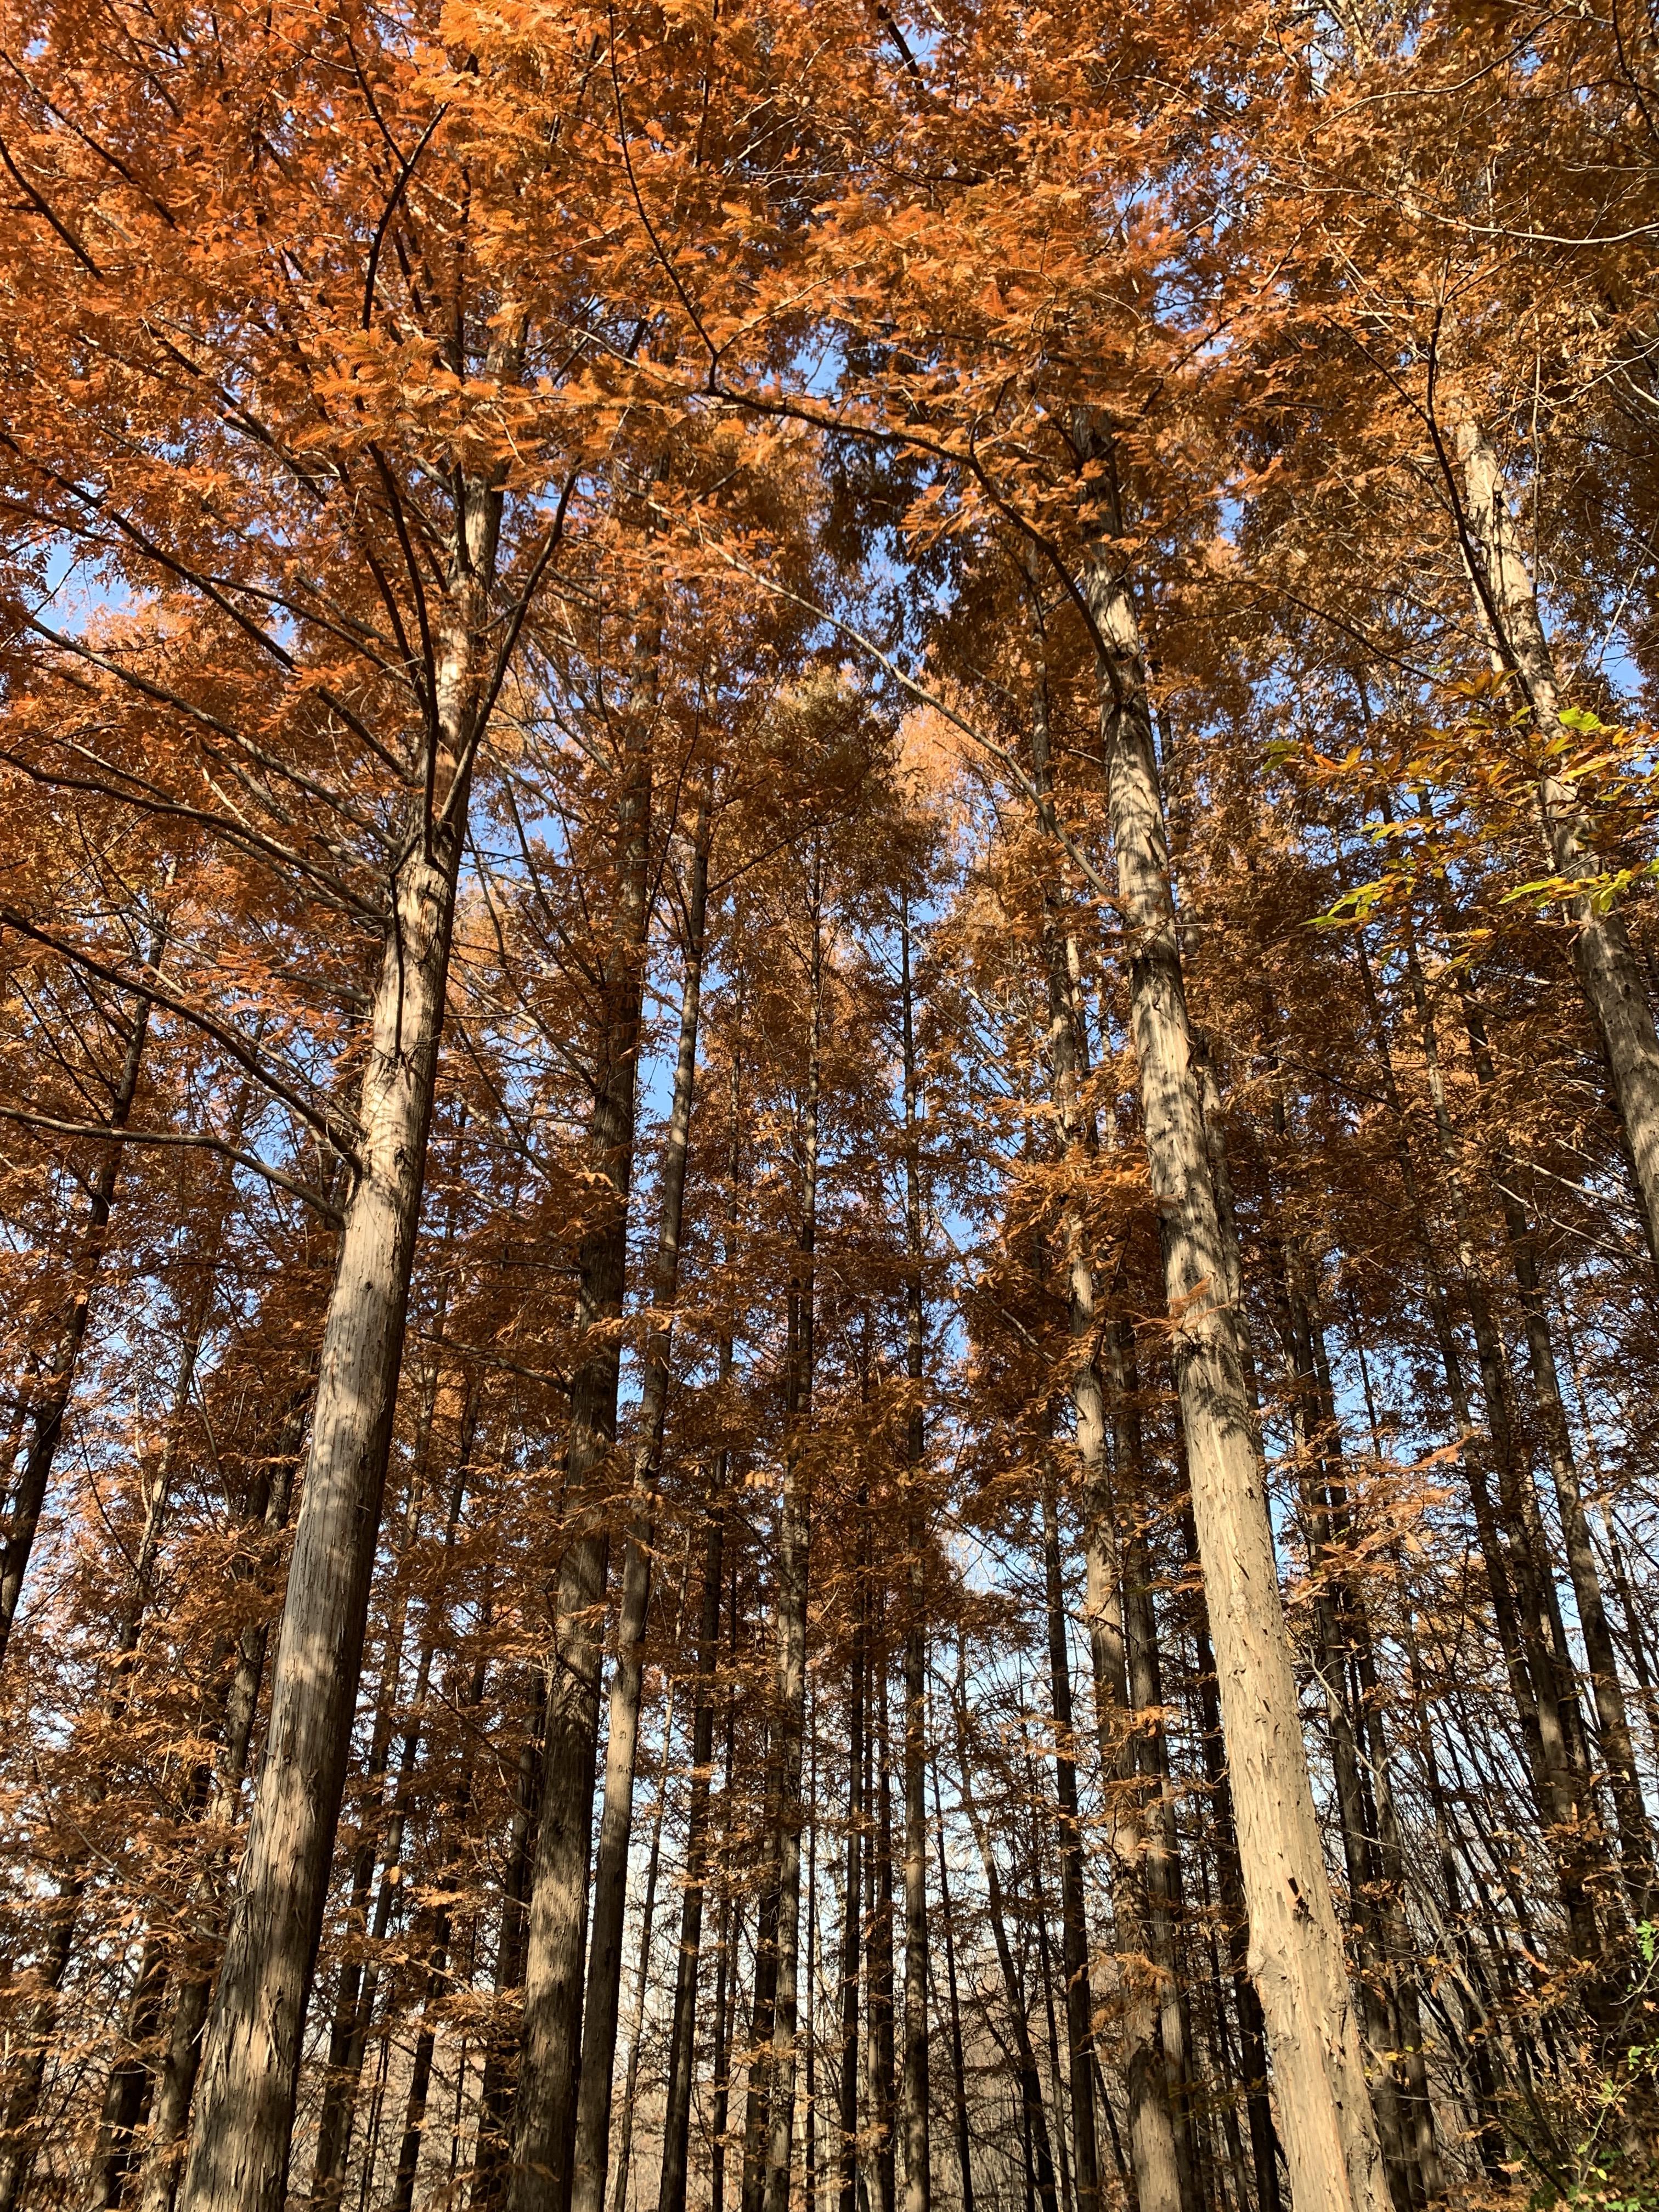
(240, 2143)
(1603, 957)
(1296, 1948)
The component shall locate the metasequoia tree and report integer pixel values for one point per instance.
(829, 1180)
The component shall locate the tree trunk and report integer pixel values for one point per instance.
(958, 2061)
(550, 2064)
(879, 2040)
(852, 1895)
(1603, 957)
(1164, 1901)
(1296, 1948)
(677, 2120)
(496, 2088)
(1518, 1572)
(1629, 1811)
(239, 2146)
(1074, 1935)
(1252, 2032)
(1152, 2148)
(601, 2009)
(793, 1556)
(1033, 2122)
(648, 1923)
(914, 2095)
(437, 1958)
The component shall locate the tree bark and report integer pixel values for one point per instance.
(1252, 2032)
(1152, 2148)
(1629, 1811)
(879, 2036)
(240, 2143)
(601, 2009)
(852, 1894)
(1604, 959)
(1296, 1948)
(496, 2088)
(1074, 1934)
(648, 1923)
(794, 1531)
(677, 2120)
(1040, 2162)
(958, 2061)
(914, 2092)
(550, 2064)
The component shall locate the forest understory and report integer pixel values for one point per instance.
(829, 1106)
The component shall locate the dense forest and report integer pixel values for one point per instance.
(829, 1105)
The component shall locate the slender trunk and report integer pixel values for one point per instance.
(1152, 2148)
(550, 2064)
(1630, 1812)
(495, 2087)
(437, 1958)
(1318, 1451)
(763, 2010)
(240, 2143)
(725, 2010)
(1296, 1947)
(677, 2120)
(958, 2060)
(30, 2050)
(1518, 1569)
(1057, 2074)
(648, 1923)
(914, 2096)
(1165, 1909)
(809, 2123)
(879, 1968)
(793, 1556)
(328, 2178)
(1074, 1934)
(1040, 2161)
(49, 1407)
(853, 1910)
(1603, 957)
(600, 2008)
